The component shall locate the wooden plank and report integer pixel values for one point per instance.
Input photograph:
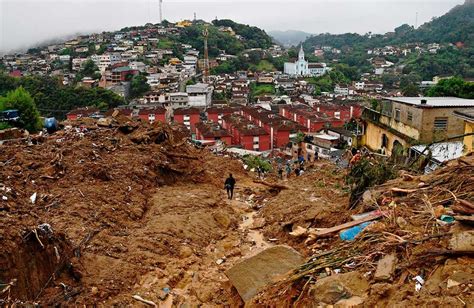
(346, 225)
(465, 219)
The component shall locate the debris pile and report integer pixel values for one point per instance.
(410, 242)
(87, 213)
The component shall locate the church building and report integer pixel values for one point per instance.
(300, 67)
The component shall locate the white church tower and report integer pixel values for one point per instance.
(300, 67)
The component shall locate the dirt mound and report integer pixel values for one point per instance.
(96, 187)
(317, 199)
(413, 254)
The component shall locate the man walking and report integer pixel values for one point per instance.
(229, 186)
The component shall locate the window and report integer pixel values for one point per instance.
(256, 140)
(440, 123)
(397, 114)
(410, 116)
(337, 115)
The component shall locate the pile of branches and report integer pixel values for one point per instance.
(410, 228)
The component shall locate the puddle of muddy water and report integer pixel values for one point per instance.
(253, 236)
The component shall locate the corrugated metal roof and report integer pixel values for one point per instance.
(465, 114)
(434, 101)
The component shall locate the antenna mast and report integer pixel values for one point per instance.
(161, 10)
(205, 33)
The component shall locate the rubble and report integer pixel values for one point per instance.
(121, 202)
(405, 248)
(385, 268)
(126, 209)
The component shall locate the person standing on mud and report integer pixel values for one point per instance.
(229, 186)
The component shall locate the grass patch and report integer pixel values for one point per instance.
(165, 43)
(263, 65)
(262, 89)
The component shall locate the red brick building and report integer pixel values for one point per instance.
(342, 112)
(311, 119)
(215, 114)
(151, 115)
(187, 116)
(245, 133)
(278, 127)
(210, 131)
(85, 112)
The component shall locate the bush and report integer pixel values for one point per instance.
(254, 161)
(367, 173)
(22, 101)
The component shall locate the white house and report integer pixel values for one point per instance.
(139, 66)
(317, 69)
(200, 95)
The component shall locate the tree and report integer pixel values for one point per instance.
(138, 86)
(410, 90)
(22, 101)
(453, 87)
(88, 70)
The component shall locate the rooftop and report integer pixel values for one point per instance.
(434, 101)
(197, 88)
(442, 151)
(212, 130)
(465, 115)
(244, 126)
(185, 111)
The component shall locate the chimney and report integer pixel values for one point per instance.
(423, 101)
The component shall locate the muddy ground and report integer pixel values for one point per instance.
(116, 215)
(135, 213)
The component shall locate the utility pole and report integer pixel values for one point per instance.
(161, 10)
(205, 33)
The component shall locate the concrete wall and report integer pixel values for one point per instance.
(373, 138)
(455, 124)
(468, 140)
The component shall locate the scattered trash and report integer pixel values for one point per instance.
(447, 219)
(33, 198)
(141, 299)
(419, 283)
(46, 229)
(351, 233)
(220, 261)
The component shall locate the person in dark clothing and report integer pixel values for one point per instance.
(297, 171)
(229, 186)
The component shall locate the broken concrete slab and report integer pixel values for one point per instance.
(331, 290)
(386, 268)
(349, 302)
(463, 241)
(255, 273)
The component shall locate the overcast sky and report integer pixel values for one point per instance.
(24, 23)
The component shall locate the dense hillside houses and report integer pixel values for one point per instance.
(249, 92)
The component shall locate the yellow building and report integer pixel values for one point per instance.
(400, 122)
(174, 61)
(184, 24)
(468, 118)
